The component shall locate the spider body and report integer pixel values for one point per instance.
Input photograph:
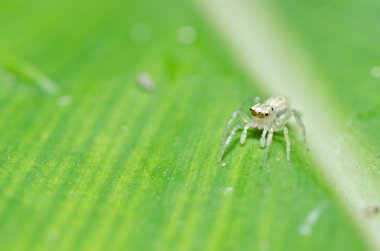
(270, 116)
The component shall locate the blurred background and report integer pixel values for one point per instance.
(112, 114)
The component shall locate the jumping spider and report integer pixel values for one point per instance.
(270, 116)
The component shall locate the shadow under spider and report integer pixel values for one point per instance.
(251, 134)
(278, 138)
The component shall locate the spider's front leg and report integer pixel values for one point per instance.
(257, 99)
(228, 141)
(262, 140)
(243, 120)
(244, 134)
(269, 142)
(240, 115)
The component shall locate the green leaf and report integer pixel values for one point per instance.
(93, 160)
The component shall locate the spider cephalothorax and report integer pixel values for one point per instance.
(261, 110)
(270, 116)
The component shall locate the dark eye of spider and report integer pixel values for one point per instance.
(266, 114)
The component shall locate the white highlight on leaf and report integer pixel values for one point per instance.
(375, 72)
(180, 223)
(187, 34)
(5, 77)
(351, 119)
(227, 190)
(23, 70)
(64, 100)
(53, 236)
(307, 227)
(146, 82)
(140, 33)
(267, 190)
(264, 245)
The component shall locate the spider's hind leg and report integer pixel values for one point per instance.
(297, 117)
(287, 140)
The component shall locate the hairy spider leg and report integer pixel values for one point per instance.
(282, 120)
(244, 134)
(249, 102)
(262, 140)
(257, 99)
(297, 117)
(281, 125)
(228, 141)
(269, 142)
(287, 140)
(237, 114)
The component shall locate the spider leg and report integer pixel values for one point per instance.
(287, 140)
(257, 99)
(269, 142)
(228, 141)
(262, 140)
(239, 114)
(249, 102)
(244, 134)
(297, 117)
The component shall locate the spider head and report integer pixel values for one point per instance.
(261, 111)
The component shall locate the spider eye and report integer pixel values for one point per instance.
(260, 115)
(254, 113)
(266, 114)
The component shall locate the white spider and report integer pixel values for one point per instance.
(271, 116)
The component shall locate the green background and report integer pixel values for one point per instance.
(121, 168)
